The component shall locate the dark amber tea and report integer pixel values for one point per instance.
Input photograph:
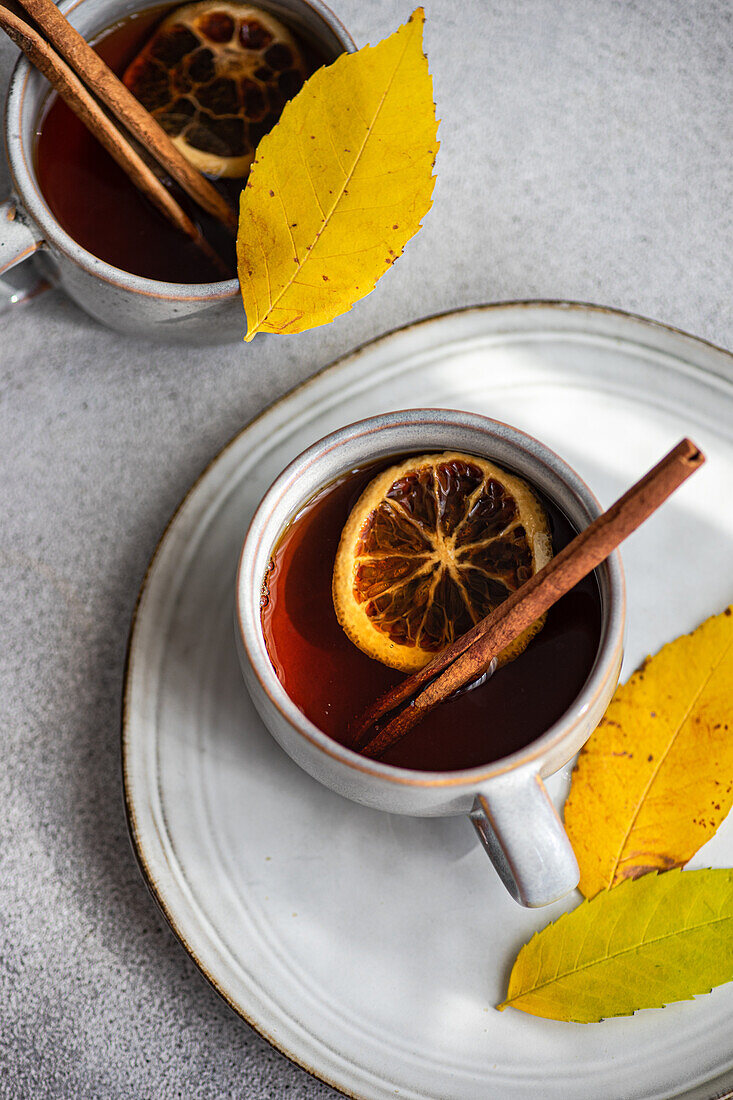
(216, 84)
(399, 534)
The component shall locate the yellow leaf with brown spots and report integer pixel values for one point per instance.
(655, 780)
(339, 186)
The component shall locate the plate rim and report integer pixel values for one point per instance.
(554, 304)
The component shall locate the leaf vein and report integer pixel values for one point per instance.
(319, 204)
(267, 272)
(333, 146)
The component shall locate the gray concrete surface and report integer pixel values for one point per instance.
(586, 154)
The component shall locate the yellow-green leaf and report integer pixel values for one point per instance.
(659, 939)
(656, 778)
(339, 186)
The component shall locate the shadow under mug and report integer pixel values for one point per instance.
(197, 313)
(506, 800)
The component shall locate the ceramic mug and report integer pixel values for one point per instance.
(506, 800)
(196, 313)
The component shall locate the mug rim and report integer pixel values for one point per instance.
(27, 189)
(607, 658)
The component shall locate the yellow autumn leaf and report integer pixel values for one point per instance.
(656, 778)
(339, 186)
(650, 942)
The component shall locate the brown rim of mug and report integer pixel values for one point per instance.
(148, 877)
(65, 243)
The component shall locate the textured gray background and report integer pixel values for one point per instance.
(586, 154)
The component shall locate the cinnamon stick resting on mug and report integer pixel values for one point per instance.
(469, 657)
(81, 101)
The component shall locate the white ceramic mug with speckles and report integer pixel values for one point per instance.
(506, 800)
(195, 313)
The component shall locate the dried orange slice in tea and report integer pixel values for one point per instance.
(431, 546)
(216, 75)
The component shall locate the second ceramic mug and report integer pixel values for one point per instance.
(506, 800)
(197, 313)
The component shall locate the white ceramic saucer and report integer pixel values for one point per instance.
(371, 949)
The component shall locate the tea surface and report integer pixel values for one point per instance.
(333, 682)
(93, 200)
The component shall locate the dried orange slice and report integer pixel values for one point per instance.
(216, 75)
(431, 546)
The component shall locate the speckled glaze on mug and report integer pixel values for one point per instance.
(506, 800)
(205, 313)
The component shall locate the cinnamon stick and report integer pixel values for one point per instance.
(67, 41)
(471, 654)
(85, 106)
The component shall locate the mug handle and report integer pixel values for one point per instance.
(18, 242)
(525, 840)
